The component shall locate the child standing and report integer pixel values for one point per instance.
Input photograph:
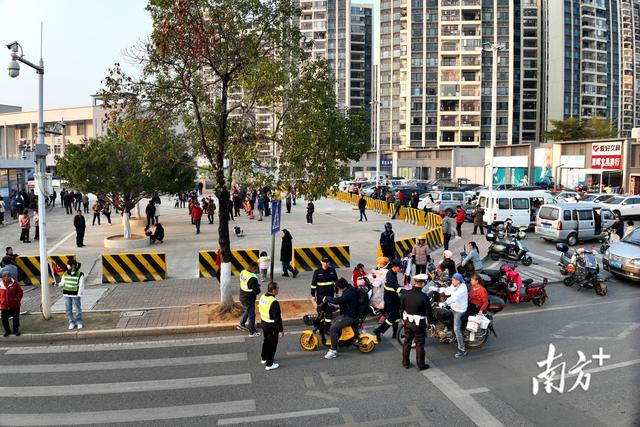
(264, 262)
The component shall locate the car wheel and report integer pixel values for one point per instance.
(572, 239)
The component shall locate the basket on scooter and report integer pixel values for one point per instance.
(309, 319)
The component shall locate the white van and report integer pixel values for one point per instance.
(520, 206)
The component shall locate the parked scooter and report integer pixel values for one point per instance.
(509, 288)
(511, 249)
(443, 324)
(581, 268)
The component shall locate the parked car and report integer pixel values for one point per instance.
(573, 222)
(565, 196)
(623, 257)
(624, 205)
(596, 197)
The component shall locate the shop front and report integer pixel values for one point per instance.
(592, 166)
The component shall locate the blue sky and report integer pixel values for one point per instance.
(82, 39)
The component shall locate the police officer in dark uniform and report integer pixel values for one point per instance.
(323, 285)
(392, 290)
(415, 308)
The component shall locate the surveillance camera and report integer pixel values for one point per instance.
(13, 46)
(14, 68)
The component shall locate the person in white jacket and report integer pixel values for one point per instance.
(72, 283)
(458, 301)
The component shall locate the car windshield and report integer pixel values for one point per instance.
(633, 237)
(588, 198)
(615, 200)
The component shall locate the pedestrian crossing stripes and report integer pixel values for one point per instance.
(138, 267)
(29, 268)
(128, 387)
(122, 364)
(128, 415)
(240, 260)
(309, 258)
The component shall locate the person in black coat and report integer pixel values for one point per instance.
(348, 303)
(80, 226)
(415, 310)
(388, 242)
(286, 254)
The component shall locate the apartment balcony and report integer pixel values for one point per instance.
(450, 3)
(449, 105)
(470, 106)
(471, 2)
(470, 15)
(449, 121)
(470, 91)
(449, 90)
(449, 62)
(449, 46)
(469, 121)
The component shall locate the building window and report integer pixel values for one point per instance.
(80, 128)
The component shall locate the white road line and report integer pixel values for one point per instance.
(280, 416)
(546, 271)
(123, 345)
(556, 253)
(537, 257)
(123, 364)
(477, 390)
(462, 399)
(129, 415)
(493, 265)
(608, 367)
(565, 307)
(124, 387)
(64, 239)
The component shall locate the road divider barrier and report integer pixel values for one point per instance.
(415, 216)
(402, 246)
(240, 260)
(130, 267)
(432, 220)
(434, 238)
(392, 210)
(29, 268)
(309, 258)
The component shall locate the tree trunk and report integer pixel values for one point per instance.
(126, 225)
(138, 214)
(222, 192)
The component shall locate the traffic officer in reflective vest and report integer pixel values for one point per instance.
(271, 322)
(415, 308)
(391, 301)
(323, 285)
(249, 290)
(72, 283)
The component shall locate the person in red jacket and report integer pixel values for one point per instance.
(10, 299)
(196, 216)
(478, 297)
(358, 272)
(459, 220)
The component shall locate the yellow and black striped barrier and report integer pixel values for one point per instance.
(402, 246)
(392, 210)
(309, 258)
(240, 259)
(415, 216)
(434, 238)
(432, 220)
(128, 268)
(29, 268)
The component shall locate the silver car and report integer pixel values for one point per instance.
(623, 257)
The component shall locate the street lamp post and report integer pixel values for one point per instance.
(494, 48)
(376, 103)
(41, 169)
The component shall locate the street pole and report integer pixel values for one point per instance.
(601, 175)
(41, 167)
(494, 101)
(377, 107)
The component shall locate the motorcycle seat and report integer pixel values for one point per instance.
(527, 281)
(491, 273)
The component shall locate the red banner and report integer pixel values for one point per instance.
(606, 162)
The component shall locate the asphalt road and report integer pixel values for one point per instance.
(218, 380)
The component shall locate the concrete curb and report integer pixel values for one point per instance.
(134, 332)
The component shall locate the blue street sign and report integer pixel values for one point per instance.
(276, 208)
(386, 162)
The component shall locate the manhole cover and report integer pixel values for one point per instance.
(135, 313)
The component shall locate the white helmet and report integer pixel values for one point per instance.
(512, 287)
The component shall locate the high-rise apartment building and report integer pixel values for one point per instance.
(342, 33)
(435, 79)
(630, 88)
(583, 72)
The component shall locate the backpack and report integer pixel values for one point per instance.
(363, 301)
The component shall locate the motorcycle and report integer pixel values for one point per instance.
(513, 250)
(442, 329)
(507, 288)
(351, 335)
(582, 269)
(606, 240)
